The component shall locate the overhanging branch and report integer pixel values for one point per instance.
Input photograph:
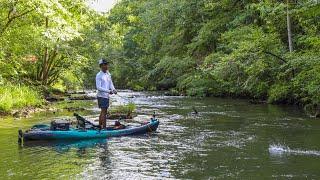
(12, 18)
(276, 56)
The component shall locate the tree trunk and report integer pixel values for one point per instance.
(289, 29)
(44, 75)
(51, 57)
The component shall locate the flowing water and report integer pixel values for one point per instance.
(229, 138)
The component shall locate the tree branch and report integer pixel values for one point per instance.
(276, 56)
(12, 18)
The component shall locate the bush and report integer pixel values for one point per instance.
(124, 109)
(279, 93)
(136, 87)
(199, 84)
(15, 97)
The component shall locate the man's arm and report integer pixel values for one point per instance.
(112, 86)
(98, 85)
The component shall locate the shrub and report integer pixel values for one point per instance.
(16, 96)
(279, 93)
(124, 109)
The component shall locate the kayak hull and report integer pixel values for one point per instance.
(89, 133)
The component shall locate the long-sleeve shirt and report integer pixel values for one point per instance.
(104, 84)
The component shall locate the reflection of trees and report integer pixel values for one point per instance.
(81, 151)
(104, 156)
(82, 146)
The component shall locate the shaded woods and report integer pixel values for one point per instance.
(265, 50)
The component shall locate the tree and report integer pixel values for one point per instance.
(289, 28)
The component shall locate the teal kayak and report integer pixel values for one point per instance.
(43, 132)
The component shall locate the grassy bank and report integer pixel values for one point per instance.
(17, 97)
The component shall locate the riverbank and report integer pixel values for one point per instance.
(311, 109)
(27, 111)
(75, 101)
(23, 101)
(19, 97)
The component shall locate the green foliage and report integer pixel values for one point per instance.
(199, 84)
(124, 109)
(306, 82)
(199, 47)
(37, 39)
(219, 48)
(168, 70)
(16, 96)
(279, 93)
(70, 81)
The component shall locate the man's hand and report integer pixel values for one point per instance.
(110, 92)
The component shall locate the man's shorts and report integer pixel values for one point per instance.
(103, 102)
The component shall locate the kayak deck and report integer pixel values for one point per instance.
(40, 134)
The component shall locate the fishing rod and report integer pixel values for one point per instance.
(123, 97)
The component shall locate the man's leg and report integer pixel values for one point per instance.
(103, 118)
(100, 119)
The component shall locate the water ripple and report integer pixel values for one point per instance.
(278, 149)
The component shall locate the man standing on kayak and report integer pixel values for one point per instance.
(105, 88)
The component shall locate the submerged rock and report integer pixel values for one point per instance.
(172, 93)
(76, 92)
(313, 110)
(71, 109)
(54, 98)
(257, 101)
(120, 116)
(84, 97)
(27, 111)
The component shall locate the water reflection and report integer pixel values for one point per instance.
(63, 146)
(280, 150)
(229, 138)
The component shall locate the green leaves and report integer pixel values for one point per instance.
(36, 38)
(220, 47)
(201, 47)
(16, 96)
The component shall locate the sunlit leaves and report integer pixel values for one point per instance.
(26, 33)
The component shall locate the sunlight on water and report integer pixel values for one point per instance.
(278, 149)
(227, 139)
